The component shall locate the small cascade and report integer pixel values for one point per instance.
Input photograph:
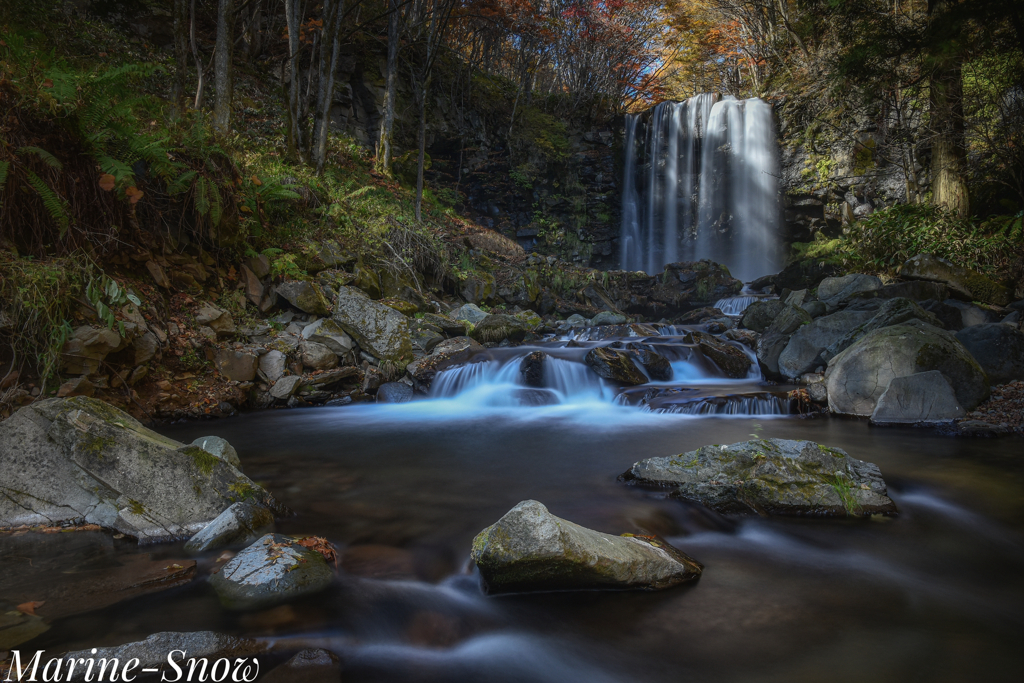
(760, 404)
(701, 183)
(499, 383)
(734, 306)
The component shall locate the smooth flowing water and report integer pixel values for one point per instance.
(933, 594)
(701, 182)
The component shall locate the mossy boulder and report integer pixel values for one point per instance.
(530, 549)
(404, 307)
(803, 352)
(892, 312)
(448, 326)
(858, 376)
(378, 329)
(80, 459)
(760, 314)
(729, 359)
(305, 296)
(498, 327)
(615, 365)
(965, 284)
(770, 477)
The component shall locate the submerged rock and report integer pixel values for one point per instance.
(770, 477)
(614, 365)
(858, 376)
(273, 569)
(530, 549)
(81, 459)
(240, 524)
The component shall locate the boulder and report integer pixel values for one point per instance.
(317, 356)
(915, 290)
(891, 312)
(305, 296)
(158, 274)
(217, 319)
(79, 386)
(241, 524)
(498, 327)
(378, 329)
(788, 320)
(965, 284)
(145, 347)
(273, 569)
(998, 348)
(272, 365)
(577, 320)
(530, 549)
(329, 333)
(608, 318)
(532, 369)
(803, 352)
(394, 392)
(216, 446)
(252, 287)
(921, 397)
(858, 376)
(815, 308)
(805, 274)
(970, 314)
(446, 354)
(614, 365)
(81, 459)
(470, 313)
(88, 347)
(834, 291)
(424, 340)
(949, 316)
(284, 387)
(760, 314)
(770, 476)
(730, 360)
(448, 326)
(656, 365)
(239, 366)
(152, 653)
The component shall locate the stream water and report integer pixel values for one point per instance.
(934, 594)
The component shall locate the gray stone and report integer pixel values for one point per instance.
(577, 320)
(252, 286)
(329, 333)
(240, 524)
(971, 315)
(858, 376)
(834, 291)
(614, 365)
(530, 549)
(963, 283)
(771, 476)
(498, 327)
(803, 352)
(532, 369)
(471, 313)
(921, 397)
(760, 314)
(285, 387)
(145, 346)
(152, 652)
(158, 274)
(236, 365)
(788, 320)
(657, 366)
(799, 298)
(217, 319)
(378, 329)
(815, 308)
(81, 459)
(79, 386)
(305, 296)
(949, 316)
(448, 326)
(915, 290)
(768, 350)
(88, 347)
(394, 392)
(1012, 319)
(317, 356)
(219, 447)
(274, 569)
(272, 365)
(729, 359)
(446, 354)
(425, 340)
(608, 318)
(891, 312)
(998, 348)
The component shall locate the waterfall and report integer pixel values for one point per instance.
(702, 185)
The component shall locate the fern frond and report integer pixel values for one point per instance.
(47, 158)
(202, 202)
(181, 183)
(54, 203)
(120, 170)
(215, 205)
(4, 167)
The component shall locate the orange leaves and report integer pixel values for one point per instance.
(322, 546)
(134, 194)
(107, 182)
(30, 607)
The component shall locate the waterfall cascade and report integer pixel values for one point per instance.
(701, 182)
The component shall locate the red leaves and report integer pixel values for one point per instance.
(322, 546)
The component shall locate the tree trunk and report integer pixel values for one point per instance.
(292, 12)
(200, 72)
(422, 139)
(181, 31)
(383, 162)
(222, 65)
(321, 126)
(946, 111)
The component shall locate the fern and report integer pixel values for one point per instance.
(180, 183)
(47, 158)
(121, 171)
(202, 202)
(54, 203)
(215, 205)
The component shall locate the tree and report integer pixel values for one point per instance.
(222, 76)
(387, 122)
(330, 45)
(946, 114)
(181, 26)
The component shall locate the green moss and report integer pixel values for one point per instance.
(203, 460)
(243, 490)
(96, 446)
(136, 507)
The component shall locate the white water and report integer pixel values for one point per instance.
(703, 185)
(499, 383)
(735, 305)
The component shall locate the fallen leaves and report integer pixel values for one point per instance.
(107, 182)
(322, 546)
(134, 194)
(30, 607)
